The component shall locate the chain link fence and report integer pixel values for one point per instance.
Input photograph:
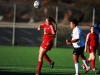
(19, 22)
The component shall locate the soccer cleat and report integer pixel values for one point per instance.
(94, 69)
(78, 74)
(52, 64)
(83, 66)
(87, 69)
(37, 74)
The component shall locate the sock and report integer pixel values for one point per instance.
(39, 67)
(77, 68)
(85, 63)
(93, 64)
(47, 58)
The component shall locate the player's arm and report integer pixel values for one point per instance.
(77, 35)
(41, 26)
(69, 42)
(76, 39)
(53, 33)
(86, 42)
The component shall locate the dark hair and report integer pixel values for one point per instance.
(91, 27)
(75, 21)
(50, 19)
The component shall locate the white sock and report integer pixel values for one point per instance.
(85, 63)
(77, 68)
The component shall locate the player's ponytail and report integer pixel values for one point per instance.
(81, 18)
(75, 21)
(53, 20)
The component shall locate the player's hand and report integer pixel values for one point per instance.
(68, 42)
(38, 28)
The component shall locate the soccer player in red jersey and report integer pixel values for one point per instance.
(91, 45)
(47, 43)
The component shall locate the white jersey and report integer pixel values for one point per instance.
(77, 34)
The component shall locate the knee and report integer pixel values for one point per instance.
(82, 57)
(40, 57)
(75, 61)
(93, 57)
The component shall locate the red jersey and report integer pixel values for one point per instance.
(48, 29)
(92, 39)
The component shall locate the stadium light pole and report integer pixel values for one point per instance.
(93, 21)
(14, 20)
(55, 41)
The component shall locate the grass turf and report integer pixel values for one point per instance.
(22, 60)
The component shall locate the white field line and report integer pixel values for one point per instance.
(27, 68)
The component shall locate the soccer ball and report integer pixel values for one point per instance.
(37, 4)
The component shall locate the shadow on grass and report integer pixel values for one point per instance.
(20, 73)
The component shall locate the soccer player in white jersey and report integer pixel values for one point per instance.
(78, 44)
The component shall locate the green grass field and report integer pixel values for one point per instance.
(22, 60)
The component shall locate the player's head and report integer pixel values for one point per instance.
(73, 23)
(50, 20)
(92, 30)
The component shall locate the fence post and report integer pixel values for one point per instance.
(14, 20)
(55, 41)
(93, 21)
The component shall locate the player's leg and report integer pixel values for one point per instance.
(93, 60)
(76, 63)
(82, 56)
(75, 59)
(93, 51)
(40, 60)
(46, 57)
(85, 63)
(89, 59)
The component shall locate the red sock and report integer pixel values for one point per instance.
(88, 60)
(39, 67)
(47, 58)
(93, 64)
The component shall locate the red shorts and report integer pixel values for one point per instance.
(92, 49)
(47, 45)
